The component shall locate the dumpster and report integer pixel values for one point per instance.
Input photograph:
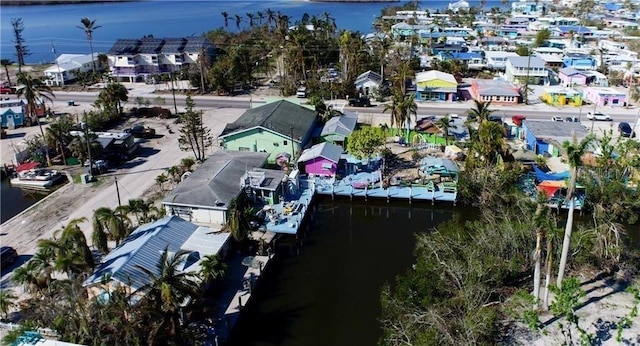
(71, 103)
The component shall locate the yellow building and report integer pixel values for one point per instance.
(559, 96)
(436, 86)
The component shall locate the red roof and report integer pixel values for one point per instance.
(27, 166)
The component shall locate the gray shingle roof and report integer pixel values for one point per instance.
(216, 180)
(150, 45)
(195, 44)
(282, 117)
(523, 61)
(145, 245)
(173, 45)
(125, 47)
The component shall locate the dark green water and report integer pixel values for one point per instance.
(329, 293)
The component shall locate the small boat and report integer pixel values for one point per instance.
(37, 178)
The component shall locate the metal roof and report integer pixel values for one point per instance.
(341, 125)
(282, 117)
(146, 244)
(524, 61)
(369, 75)
(325, 150)
(195, 44)
(216, 181)
(151, 45)
(555, 131)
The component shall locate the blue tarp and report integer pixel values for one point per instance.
(542, 175)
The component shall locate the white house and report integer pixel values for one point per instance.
(458, 5)
(519, 68)
(367, 82)
(67, 66)
(497, 60)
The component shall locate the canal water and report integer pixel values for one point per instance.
(14, 200)
(329, 293)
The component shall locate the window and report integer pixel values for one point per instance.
(284, 142)
(243, 149)
(327, 166)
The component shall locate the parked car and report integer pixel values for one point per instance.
(454, 116)
(360, 102)
(139, 131)
(8, 255)
(598, 116)
(572, 119)
(557, 118)
(626, 130)
(301, 92)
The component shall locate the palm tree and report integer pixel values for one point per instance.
(271, 16)
(238, 21)
(260, 17)
(395, 108)
(7, 301)
(30, 277)
(57, 135)
(444, 124)
(250, 16)
(88, 26)
(225, 16)
(212, 268)
(71, 254)
(109, 224)
(5, 64)
(573, 151)
(168, 290)
(540, 219)
(481, 111)
(34, 90)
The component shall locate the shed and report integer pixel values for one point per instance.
(321, 159)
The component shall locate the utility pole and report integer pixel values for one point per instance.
(201, 69)
(85, 126)
(173, 91)
(55, 57)
(117, 191)
(293, 150)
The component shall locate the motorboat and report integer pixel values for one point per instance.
(37, 178)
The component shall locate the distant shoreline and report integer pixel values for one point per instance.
(354, 0)
(55, 2)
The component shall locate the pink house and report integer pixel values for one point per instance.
(605, 97)
(570, 77)
(321, 159)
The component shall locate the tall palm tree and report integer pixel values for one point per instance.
(35, 90)
(395, 108)
(57, 135)
(238, 21)
(260, 17)
(29, 276)
(573, 151)
(540, 218)
(250, 16)
(271, 16)
(225, 16)
(168, 290)
(88, 26)
(5, 64)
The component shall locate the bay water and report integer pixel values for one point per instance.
(49, 26)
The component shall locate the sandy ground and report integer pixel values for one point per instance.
(600, 311)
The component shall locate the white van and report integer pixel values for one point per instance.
(302, 92)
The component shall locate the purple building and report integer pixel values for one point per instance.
(321, 159)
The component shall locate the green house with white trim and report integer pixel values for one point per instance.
(275, 128)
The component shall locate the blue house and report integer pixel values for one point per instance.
(466, 58)
(542, 136)
(443, 48)
(581, 62)
(576, 30)
(12, 112)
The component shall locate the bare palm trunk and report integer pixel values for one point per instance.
(568, 228)
(547, 280)
(536, 271)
